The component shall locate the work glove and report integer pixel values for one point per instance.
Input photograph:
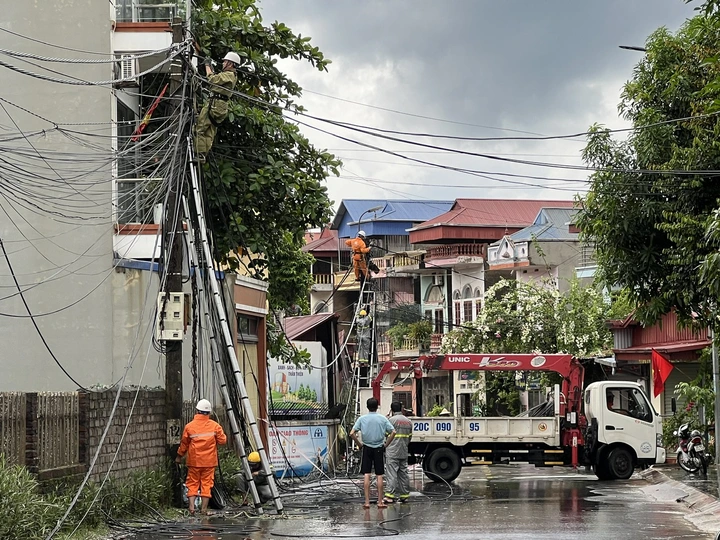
(207, 61)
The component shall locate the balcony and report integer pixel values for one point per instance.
(323, 282)
(453, 254)
(410, 348)
(148, 11)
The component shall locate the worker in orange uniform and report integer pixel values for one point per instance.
(360, 250)
(199, 440)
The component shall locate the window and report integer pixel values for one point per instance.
(247, 328)
(628, 402)
(468, 311)
(439, 321)
(457, 314)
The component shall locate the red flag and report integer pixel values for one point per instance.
(661, 368)
(146, 120)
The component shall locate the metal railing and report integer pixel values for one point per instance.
(148, 10)
(456, 250)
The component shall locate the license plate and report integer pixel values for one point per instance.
(699, 448)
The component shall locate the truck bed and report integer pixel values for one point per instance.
(475, 429)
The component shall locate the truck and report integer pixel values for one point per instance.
(611, 426)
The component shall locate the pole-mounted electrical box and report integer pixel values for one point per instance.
(170, 323)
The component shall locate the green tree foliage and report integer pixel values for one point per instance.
(520, 317)
(264, 178)
(650, 230)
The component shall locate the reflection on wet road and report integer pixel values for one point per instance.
(499, 502)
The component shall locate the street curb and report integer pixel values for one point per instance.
(705, 508)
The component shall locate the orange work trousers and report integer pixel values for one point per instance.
(202, 478)
(360, 267)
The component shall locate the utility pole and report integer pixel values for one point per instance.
(716, 387)
(173, 242)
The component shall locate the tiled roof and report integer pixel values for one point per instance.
(327, 241)
(550, 224)
(492, 213)
(297, 326)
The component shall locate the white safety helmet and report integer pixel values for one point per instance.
(204, 406)
(361, 234)
(233, 57)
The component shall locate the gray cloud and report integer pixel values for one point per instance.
(546, 67)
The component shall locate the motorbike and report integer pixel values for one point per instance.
(691, 455)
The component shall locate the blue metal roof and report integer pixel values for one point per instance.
(550, 224)
(394, 217)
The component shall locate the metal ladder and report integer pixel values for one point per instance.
(229, 345)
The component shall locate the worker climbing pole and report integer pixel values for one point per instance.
(215, 111)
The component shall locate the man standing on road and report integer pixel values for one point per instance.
(199, 440)
(398, 480)
(374, 427)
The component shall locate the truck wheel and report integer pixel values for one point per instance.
(601, 471)
(443, 464)
(620, 464)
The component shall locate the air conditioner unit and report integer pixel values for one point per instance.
(439, 280)
(127, 70)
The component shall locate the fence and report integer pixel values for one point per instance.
(58, 430)
(56, 434)
(12, 427)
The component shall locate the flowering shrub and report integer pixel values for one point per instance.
(519, 317)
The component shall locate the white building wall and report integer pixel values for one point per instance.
(65, 265)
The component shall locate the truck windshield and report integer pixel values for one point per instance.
(629, 402)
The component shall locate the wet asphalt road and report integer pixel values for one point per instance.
(705, 483)
(500, 502)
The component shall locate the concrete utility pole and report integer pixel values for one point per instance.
(173, 242)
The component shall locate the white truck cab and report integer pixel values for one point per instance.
(623, 429)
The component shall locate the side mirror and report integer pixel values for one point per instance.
(673, 405)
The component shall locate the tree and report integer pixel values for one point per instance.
(263, 178)
(519, 317)
(647, 218)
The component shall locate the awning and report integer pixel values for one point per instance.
(681, 350)
(297, 326)
(608, 361)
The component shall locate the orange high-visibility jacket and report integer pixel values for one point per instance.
(358, 247)
(200, 439)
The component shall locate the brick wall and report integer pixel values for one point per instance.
(144, 443)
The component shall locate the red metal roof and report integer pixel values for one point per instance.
(492, 212)
(297, 326)
(327, 242)
(683, 350)
(475, 216)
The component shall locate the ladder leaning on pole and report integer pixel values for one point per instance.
(225, 329)
(202, 304)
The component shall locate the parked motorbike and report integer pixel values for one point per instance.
(691, 455)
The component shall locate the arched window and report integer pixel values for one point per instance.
(467, 292)
(321, 307)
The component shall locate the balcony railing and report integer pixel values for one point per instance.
(456, 250)
(405, 260)
(409, 347)
(148, 10)
(323, 279)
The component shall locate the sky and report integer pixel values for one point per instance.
(469, 68)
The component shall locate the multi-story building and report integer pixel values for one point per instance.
(452, 271)
(547, 252)
(81, 225)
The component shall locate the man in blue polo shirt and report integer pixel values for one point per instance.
(374, 427)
